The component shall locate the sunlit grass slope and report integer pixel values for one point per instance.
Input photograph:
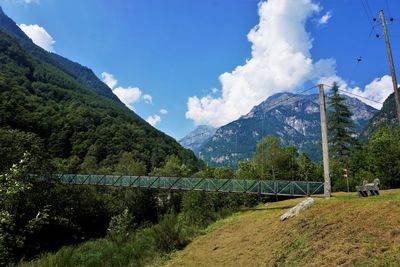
(345, 230)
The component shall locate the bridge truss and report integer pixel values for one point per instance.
(262, 187)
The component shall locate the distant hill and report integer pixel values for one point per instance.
(196, 138)
(81, 74)
(41, 104)
(296, 121)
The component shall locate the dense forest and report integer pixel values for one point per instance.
(81, 74)
(69, 126)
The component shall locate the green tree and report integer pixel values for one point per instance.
(308, 171)
(13, 145)
(223, 173)
(89, 165)
(13, 235)
(273, 161)
(292, 155)
(379, 158)
(206, 172)
(340, 126)
(172, 167)
(119, 227)
(127, 165)
(247, 170)
(198, 208)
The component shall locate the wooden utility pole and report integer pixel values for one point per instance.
(392, 70)
(325, 150)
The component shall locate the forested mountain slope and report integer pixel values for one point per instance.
(385, 116)
(44, 109)
(81, 74)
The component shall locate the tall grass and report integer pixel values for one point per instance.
(137, 249)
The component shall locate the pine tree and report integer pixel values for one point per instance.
(340, 126)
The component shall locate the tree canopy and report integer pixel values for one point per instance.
(340, 126)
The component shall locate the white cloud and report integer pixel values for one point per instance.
(163, 111)
(378, 90)
(128, 95)
(24, 1)
(325, 18)
(153, 120)
(280, 61)
(148, 99)
(39, 36)
(109, 79)
(214, 90)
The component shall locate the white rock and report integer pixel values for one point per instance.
(296, 209)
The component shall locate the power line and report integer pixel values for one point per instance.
(369, 8)
(357, 95)
(369, 16)
(387, 6)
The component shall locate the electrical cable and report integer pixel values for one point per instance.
(357, 95)
(388, 8)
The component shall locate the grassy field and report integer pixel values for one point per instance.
(345, 230)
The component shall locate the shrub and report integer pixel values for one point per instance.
(119, 227)
(168, 234)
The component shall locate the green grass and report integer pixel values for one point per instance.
(344, 230)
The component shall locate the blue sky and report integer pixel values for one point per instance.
(173, 50)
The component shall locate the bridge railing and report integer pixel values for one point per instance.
(263, 187)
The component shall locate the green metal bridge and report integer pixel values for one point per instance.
(262, 187)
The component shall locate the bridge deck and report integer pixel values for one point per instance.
(263, 187)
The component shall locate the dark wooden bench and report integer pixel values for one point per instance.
(368, 189)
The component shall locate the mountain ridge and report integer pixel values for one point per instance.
(82, 74)
(295, 121)
(196, 138)
(74, 128)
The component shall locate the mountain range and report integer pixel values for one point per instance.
(196, 138)
(294, 118)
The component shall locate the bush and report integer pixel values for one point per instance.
(119, 227)
(198, 209)
(168, 234)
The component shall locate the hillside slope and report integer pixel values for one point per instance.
(81, 74)
(73, 123)
(345, 230)
(385, 116)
